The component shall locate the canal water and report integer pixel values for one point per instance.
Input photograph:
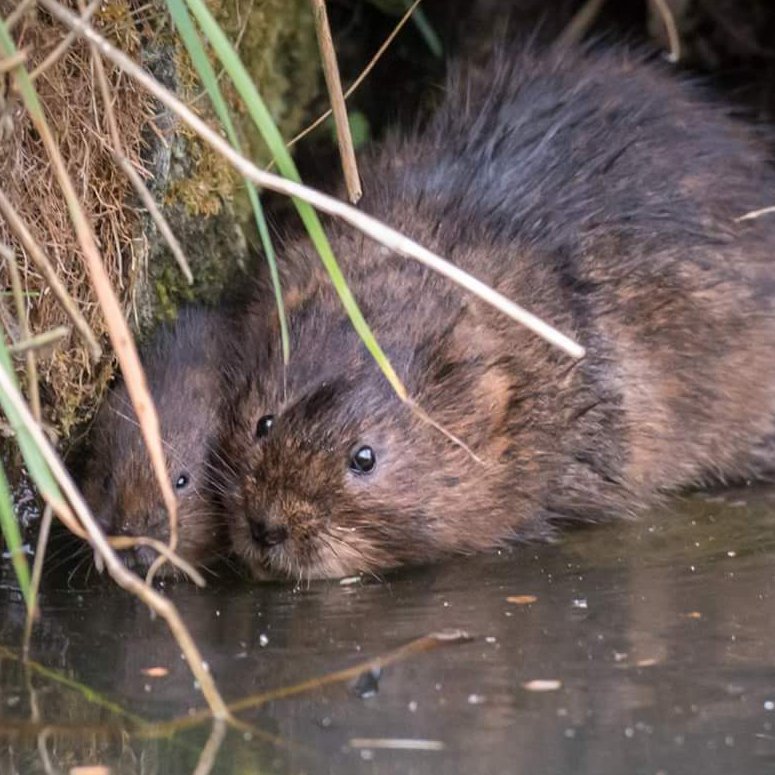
(644, 647)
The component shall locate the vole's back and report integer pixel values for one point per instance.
(559, 148)
(620, 185)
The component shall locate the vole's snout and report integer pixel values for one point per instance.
(266, 535)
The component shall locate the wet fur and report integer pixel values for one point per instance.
(182, 367)
(600, 192)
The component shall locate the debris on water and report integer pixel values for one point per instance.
(412, 706)
(367, 683)
(490, 639)
(396, 744)
(693, 615)
(155, 672)
(521, 599)
(476, 699)
(769, 705)
(542, 685)
(263, 640)
(580, 602)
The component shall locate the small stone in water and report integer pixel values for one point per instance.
(367, 683)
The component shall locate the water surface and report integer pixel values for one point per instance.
(649, 648)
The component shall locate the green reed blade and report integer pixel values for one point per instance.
(196, 51)
(274, 141)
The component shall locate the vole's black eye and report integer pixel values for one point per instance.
(363, 460)
(107, 482)
(181, 482)
(264, 425)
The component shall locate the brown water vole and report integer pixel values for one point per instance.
(182, 367)
(599, 191)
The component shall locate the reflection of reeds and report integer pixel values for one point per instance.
(106, 315)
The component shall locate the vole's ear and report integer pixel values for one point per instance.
(467, 385)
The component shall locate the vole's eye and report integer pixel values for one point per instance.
(363, 460)
(181, 482)
(264, 425)
(106, 482)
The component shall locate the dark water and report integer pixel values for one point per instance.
(655, 642)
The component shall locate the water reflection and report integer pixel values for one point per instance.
(654, 640)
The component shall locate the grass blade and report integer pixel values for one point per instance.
(196, 51)
(13, 539)
(274, 141)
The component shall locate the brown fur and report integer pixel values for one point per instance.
(601, 194)
(182, 367)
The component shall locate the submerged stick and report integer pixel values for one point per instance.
(370, 226)
(418, 646)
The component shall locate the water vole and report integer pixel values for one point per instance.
(182, 368)
(595, 189)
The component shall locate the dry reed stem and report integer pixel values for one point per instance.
(24, 328)
(359, 80)
(334, 85)
(674, 39)
(579, 25)
(118, 330)
(44, 266)
(39, 342)
(118, 571)
(370, 226)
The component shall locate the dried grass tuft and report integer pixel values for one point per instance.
(70, 382)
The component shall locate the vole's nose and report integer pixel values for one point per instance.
(265, 535)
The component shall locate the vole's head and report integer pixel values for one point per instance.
(120, 485)
(328, 473)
